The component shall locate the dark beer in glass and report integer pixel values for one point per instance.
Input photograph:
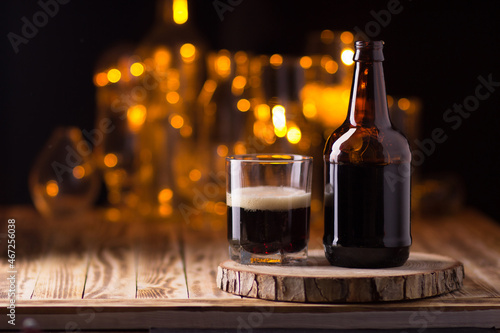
(268, 208)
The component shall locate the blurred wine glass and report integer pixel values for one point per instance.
(63, 180)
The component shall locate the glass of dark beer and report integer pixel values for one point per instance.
(268, 200)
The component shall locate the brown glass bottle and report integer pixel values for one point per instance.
(367, 175)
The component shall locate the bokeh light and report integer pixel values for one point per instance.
(347, 57)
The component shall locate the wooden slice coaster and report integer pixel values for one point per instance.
(423, 275)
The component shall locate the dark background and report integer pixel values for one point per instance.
(434, 50)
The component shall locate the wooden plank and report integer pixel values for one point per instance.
(203, 252)
(448, 236)
(160, 272)
(32, 237)
(64, 306)
(112, 271)
(253, 317)
(64, 267)
(4, 283)
(62, 276)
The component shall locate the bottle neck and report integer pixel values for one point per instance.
(368, 103)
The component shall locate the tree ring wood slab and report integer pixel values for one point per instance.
(423, 275)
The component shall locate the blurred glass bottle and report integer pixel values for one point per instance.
(173, 62)
(225, 104)
(120, 116)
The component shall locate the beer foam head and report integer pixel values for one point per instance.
(268, 198)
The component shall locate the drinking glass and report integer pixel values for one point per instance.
(268, 200)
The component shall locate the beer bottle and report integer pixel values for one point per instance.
(367, 175)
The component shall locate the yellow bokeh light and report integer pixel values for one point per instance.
(279, 119)
(346, 37)
(180, 10)
(165, 195)
(101, 79)
(114, 75)
(239, 82)
(110, 160)
(136, 116)
(331, 67)
(280, 132)
(306, 62)
(223, 65)
(78, 172)
(52, 188)
(239, 148)
(186, 131)
(188, 52)
(346, 56)
(195, 175)
(243, 105)
(327, 36)
(173, 83)
(276, 60)
(309, 109)
(176, 121)
(162, 58)
(294, 135)
(324, 60)
(390, 100)
(210, 86)
(136, 69)
(240, 57)
(220, 208)
(262, 112)
(165, 210)
(173, 97)
(404, 104)
(259, 128)
(222, 150)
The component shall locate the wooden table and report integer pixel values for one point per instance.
(89, 274)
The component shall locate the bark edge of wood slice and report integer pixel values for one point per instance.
(423, 275)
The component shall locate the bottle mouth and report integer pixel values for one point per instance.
(369, 51)
(377, 44)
